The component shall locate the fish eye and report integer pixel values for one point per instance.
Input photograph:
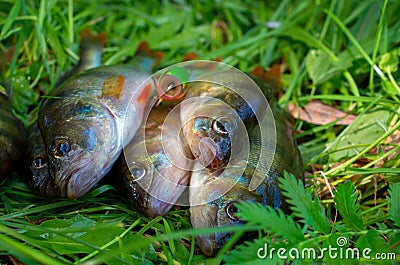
(231, 211)
(39, 161)
(137, 171)
(222, 126)
(59, 147)
(170, 86)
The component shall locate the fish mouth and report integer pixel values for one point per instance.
(164, 193)
(208, 153)
(77, 175)
(205, 216)
(42, 183)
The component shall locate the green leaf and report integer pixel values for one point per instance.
(255, 252)
(347, 205)
(75, 235)
(388, 62)
(23, 95)
(276, 222)
(303, 205)
(10, 19)
(372, 243)
(181, 73)
(394, 201)
(363, 131)
(394, 241)
(300, 34)
(321, 68)
(340, 242)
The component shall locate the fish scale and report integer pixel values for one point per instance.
(88, 118)
(149, 172)
(90, 56)
(213, 194)
(219, 108)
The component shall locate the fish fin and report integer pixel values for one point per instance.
(91, 47)
(87, 36)
(190, 56)
(144, 95)
(146, 59)
(269, 80)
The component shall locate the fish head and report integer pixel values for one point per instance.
(169, 177)
(131, 173)
(153, 177)
(41, 180)
(215, 206)
(81, 142)
(213, 132)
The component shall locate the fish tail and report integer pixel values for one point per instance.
(269, 81)
(91, 46)
(145, 59)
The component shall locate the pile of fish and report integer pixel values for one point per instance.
(207, 143)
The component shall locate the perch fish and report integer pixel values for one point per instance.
(91, 47)
(86, 121)
(213, 202)
(155, 166)
(216, 114)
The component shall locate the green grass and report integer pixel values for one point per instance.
(343, 53)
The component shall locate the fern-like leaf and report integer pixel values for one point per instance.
(311, 211)
(347, 205)
(394, 201)
(376, 243)
(276, 222)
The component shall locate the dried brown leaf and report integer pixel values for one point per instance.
(316, 112)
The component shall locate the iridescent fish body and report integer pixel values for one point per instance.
(91, 47)
(213, 201)
(40, 179)
(216, 114)
(86, 121)
(155, 167)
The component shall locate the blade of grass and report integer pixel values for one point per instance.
(376, 46)
(94, 253)
(71, 21)
(356, 44)
(363, 152)
(10, 19)
(23, 250)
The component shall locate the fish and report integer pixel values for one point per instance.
(12, 138)
(218, 110)
(40, 180)
(213, 194)
(154, 170)
(87, 120)
(91, 47)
